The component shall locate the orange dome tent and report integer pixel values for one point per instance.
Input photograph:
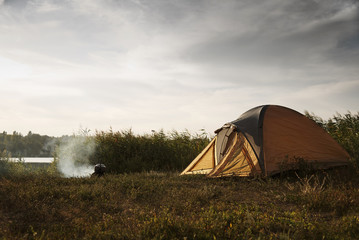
(264, 138)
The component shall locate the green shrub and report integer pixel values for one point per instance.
(124, 151)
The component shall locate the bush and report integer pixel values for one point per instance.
(124, 151)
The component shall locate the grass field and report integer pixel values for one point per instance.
(143, 196)
(167, 206)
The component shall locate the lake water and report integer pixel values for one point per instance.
(35, 159)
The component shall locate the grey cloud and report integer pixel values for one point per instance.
(16, 3)
(153, 64)
(273, 42)
(308, 39)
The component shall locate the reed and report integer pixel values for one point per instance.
(124, 151)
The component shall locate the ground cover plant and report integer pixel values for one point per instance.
(167, 206)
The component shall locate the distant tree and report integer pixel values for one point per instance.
(31, 145)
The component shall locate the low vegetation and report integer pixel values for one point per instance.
(167, 206)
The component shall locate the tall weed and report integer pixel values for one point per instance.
(123, 151)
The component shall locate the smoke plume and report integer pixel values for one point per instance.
(73, 156)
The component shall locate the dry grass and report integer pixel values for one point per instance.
(166, 206)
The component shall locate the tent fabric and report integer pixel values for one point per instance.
(239, 161)
(250, 124)
(289, 135)
(204, 162)
(264, 138)
(225, 137)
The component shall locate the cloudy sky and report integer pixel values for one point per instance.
(172, 64)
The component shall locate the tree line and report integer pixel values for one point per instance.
(31, 145)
